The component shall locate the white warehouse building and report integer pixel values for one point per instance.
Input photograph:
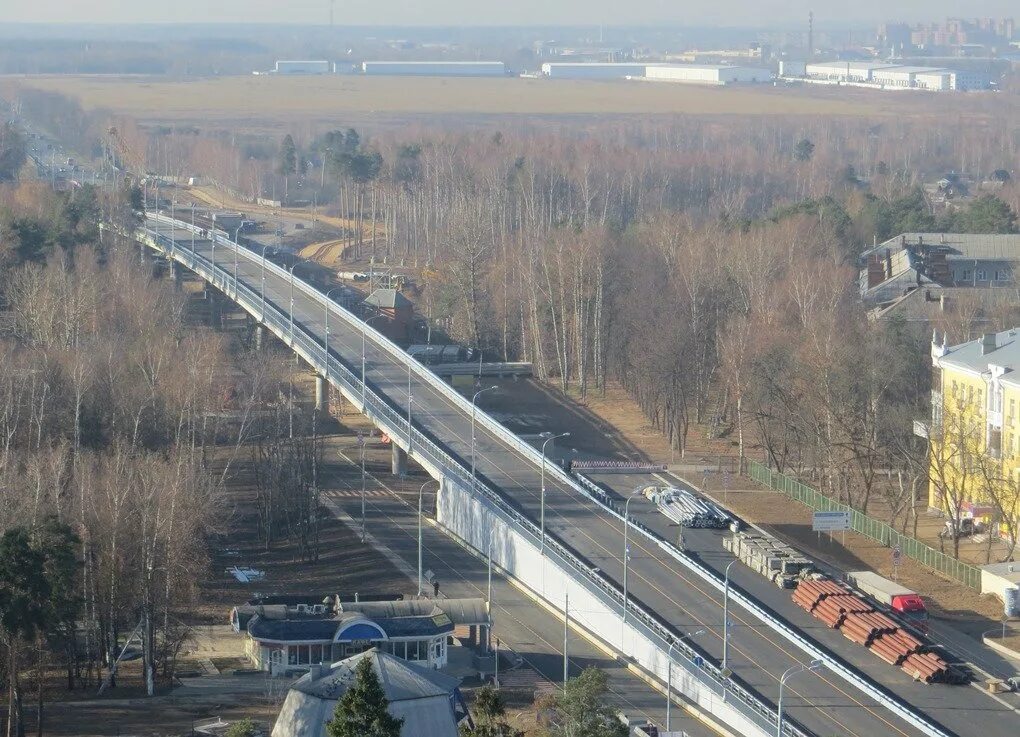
(716, 74)
(436, 68)
(895, 76)
(302, 67)
(899, 76)
(592, 70)
(845, 71)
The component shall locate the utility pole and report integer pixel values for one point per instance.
(566, 634)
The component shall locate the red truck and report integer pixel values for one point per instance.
(901, 600)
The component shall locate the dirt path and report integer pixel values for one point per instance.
(218, 198)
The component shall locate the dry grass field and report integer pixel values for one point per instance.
(272, 101)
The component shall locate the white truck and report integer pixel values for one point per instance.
(899, 599)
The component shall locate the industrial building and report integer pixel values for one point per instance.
(302, 67)
(593, 70)
(436, 68)
(886, 75)
(845, 71)
(716, 74)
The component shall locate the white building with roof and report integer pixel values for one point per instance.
(593, 70)
(886, 75)
(429, 702)
(715, 74)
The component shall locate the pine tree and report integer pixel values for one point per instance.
(582, 709)
(361, 712)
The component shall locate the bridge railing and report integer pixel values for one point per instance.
(770, 619)
(394, 422)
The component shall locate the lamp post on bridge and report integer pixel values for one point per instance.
(474, 399)
(669, 672)
(237, 246)
(420, 492)
(291, 270)
(626, 547)
(325, 339)
(364, 331)
(541, 523)
(726, 626)
(263, 289)
(792, 671)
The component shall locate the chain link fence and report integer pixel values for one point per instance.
(911, 547)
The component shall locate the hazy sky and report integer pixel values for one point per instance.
(495, 12)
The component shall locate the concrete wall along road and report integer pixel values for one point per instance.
(476, 522)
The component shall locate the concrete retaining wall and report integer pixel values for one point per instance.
(478, 524)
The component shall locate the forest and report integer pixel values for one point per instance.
(708, 265)
(120, 422)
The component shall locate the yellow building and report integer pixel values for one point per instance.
(975, 429)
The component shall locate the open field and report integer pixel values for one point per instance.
(275, 100)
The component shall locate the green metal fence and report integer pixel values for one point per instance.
(873, 528)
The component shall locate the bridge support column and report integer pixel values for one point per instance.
(260, 334)
(398, 460)
(215, 309)
(175, 274)
(321, 393)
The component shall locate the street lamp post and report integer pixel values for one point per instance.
(410, 398)
(263, 290)
(626, 547)
(325, 340)
(488, 582)
(237, 246)
(814, 665)
(364, 330)
(291, 331)
(420, 492)
(541, 524)
(473, 400)
(726, 621)
(669, 673)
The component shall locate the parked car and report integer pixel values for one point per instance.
(964, 528)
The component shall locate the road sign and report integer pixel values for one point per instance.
(830, 521)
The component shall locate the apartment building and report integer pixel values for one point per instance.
(974, 431)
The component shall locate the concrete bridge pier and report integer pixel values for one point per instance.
(215, 309)
(321, 393)
(398, 460)
(260, 335)
(175, 274)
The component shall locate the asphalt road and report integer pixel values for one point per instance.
(820, 701)
(519, 623)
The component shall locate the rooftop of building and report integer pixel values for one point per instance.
(856, 65)
(911, 70)
(932, 300)
(402, 680)
(423, 698)
(981, 246)
(411, 618)
(993, 349)
(387, 299)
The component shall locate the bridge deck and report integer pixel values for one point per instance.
(820, 700)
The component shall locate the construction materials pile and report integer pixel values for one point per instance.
(687, 509)
(839, 607)
(606, 466)
(772, 558)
